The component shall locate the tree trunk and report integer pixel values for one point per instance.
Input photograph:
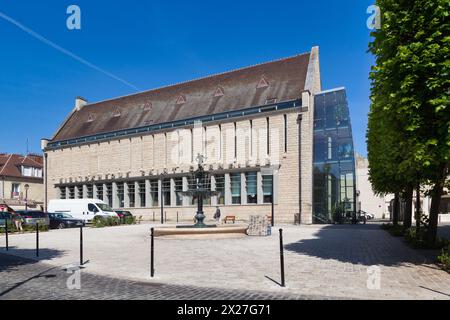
(418, 210)
(396, 210)
(436, 194)
(407, 220)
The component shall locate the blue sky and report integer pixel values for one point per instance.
(156, 43)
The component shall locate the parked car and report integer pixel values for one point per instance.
(369, 216)
(123, 214)
(3, 217)
(31, 218)
(63, 221)
(84, 209)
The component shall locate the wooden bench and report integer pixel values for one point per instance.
(229, 218)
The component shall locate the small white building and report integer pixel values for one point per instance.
(367, 200)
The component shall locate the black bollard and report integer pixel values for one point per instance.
(6, 234)
(177, 218)
(152, 253)
(81, 246)
(37, 239)
(282, 258)
(153, 216)
(165, 216)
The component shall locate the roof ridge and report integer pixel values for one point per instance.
(6, 163)
(199, 78)
(27, 157)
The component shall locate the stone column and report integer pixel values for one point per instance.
(105, 195)
(185, 188)
(275, 181)
(160, 194)
(137, 194)
(228, 200)
(148, 198)
(115, 197)
(214, 199)
(243, 188)
(259, 187)
(94, 191)
(173, 200)
(85, 191)
(126, 196)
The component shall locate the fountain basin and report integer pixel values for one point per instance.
(187, 230)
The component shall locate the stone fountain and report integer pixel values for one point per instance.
(200, 190)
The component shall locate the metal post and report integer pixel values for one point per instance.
(153, 216)
(152, 253)
(165, 216)
(283, 284)
(273, 204)
(178, 220)
(6, 234)
(81, 246)
(37, 239)
(162, 206)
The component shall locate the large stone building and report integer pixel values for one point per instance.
(254, 125)
(21, 181)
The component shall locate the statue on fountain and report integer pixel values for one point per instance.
(200, 190)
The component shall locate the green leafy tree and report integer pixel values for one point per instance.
(410, 113)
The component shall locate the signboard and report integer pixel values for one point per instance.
(259, 226)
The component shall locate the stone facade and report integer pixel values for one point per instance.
(265, 143)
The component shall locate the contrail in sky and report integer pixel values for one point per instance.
(65, 51)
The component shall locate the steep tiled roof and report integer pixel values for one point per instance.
(10, 164)
(283, 80)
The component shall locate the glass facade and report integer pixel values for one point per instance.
(99, 191)
(252, 190)
(334, 161)
(235, 188)
(220, 187)
(142, 195)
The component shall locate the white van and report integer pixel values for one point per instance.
(84, 209)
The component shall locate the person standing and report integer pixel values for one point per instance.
(17, 219)
(217, 215)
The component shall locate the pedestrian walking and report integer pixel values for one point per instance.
(217, 215)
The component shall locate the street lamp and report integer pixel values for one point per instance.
(270, 172)
(162, 197)
(26, 196)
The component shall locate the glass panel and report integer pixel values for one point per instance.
(267, 188)
(154, 193)
(142, 194)
(99, 191)
(80, 192)
(220, 187)
(166, 192)
(90, 191)
(131, 194)
(178, 190)
(252, 190)
(235, 188)
(109, 194)
(120, 194)
(62, 192)
(72, 192)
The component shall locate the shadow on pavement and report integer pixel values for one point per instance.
(358, 244)
(18, 257)
(444, 230)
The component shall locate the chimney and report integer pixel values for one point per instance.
(44, 143)
(80, 102)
